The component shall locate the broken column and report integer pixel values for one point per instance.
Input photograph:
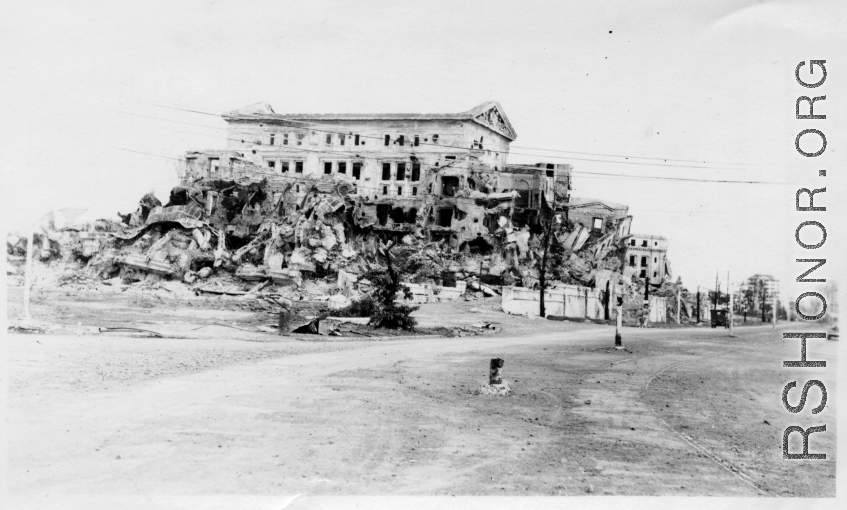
(495, 375)
(496, 385)
(619, 323)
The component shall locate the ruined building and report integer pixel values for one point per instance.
(646, 258)
(298, 197)
(441, 174)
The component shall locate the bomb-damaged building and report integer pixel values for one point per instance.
(444, 176)
(296, 197)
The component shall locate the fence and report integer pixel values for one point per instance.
(575, 302)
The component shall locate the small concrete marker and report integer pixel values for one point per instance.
(496, 385)
(619, 324)
(495, 377)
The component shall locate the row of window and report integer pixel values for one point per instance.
(344, 139)
(643, 261)
(399, 190)
(643, 243)
(296, 139)
(399, 171)
(284, 166)
(414, 141)
(340, 167)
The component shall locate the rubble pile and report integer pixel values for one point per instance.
(250, 234)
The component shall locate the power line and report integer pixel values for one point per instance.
(218, 113)
(657, 177)
(266, 117)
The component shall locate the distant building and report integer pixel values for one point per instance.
(599, 216)
(771, 283)
(648, 255)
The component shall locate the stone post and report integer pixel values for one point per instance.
(495, 375)
(619, 322)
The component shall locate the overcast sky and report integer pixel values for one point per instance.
(658, 80)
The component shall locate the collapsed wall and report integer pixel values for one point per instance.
(255, 226)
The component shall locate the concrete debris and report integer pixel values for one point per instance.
(497, 390)
(237, 225)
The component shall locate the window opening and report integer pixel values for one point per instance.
(357, 170)
(445, 217)
(327, 167)
(386, 171)
(401, 171)
(449, 184)
(382, 211)
(298, 169)
(416, 171)
(598, 224)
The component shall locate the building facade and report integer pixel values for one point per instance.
(771, 284)
(444, 172)
(646, 255)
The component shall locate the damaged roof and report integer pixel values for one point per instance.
(489, 114)
(585, 202)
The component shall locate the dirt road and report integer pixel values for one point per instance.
(221, 416)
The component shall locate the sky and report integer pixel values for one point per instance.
(707, 81)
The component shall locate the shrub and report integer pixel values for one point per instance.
(365, 307)
(395, 316)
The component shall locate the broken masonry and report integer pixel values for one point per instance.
(289, 201)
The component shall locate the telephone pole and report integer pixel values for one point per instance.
(774, 310)
(28, 275)
(717, 291)
(729, 291)
(698, 304)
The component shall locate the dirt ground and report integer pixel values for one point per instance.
(218, 410)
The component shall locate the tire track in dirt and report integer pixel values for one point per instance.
(708, 453)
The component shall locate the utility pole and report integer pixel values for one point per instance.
(729, 291)
(717, 291)
(678, 302)
(606, 301)
(774, 310)
(698, 304)
(28, 276)
(646, 300)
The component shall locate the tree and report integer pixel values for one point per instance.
(762, 290)
(551, 224)
(386, 284)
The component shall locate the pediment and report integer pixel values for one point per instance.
(491, 115)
